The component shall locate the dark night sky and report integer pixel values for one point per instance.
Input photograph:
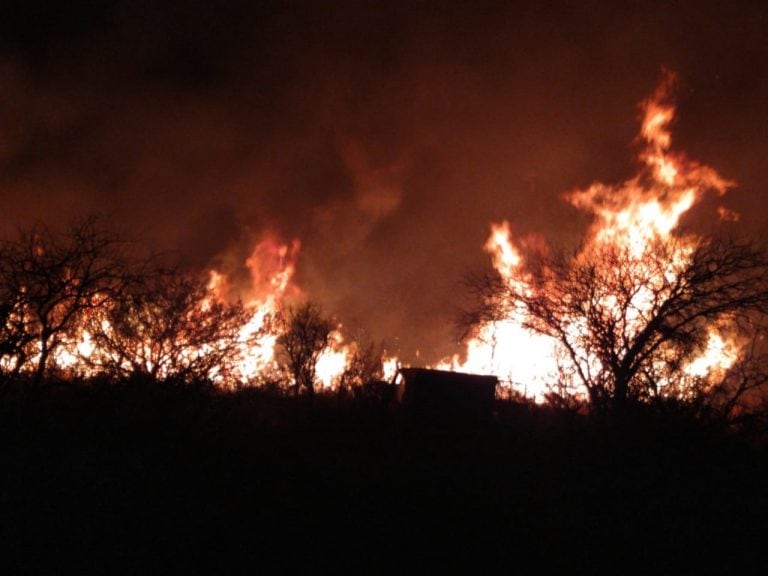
(385, 135)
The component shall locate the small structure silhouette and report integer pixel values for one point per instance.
(439, 396)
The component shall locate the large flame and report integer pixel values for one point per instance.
(272, 265)
(631, 216)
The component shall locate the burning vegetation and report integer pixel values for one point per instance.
(643, 310)
(76, 305)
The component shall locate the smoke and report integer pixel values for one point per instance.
(385, 137)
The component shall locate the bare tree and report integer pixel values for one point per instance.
(168, 326)
(627, 323)
(364, 369)
(304, 333)
(49, 282)
(15, 340)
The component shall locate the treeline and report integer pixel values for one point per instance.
(80, 302)
(82, 305)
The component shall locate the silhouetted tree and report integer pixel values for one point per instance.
(168, 326)
(364, 370)
(627, 324)
(48, 282)
(15, 340)
(304, 333)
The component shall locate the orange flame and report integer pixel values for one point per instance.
(272, 265)
(631, 215)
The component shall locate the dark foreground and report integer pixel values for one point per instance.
(131, 479)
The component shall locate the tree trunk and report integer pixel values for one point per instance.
(619, 403)
(42, 362)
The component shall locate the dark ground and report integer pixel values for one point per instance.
(158, 480)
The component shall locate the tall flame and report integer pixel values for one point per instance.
(632, 216)
(272, 265)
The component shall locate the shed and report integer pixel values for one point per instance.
(444, 396)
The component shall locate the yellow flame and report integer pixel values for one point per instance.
(632, 216)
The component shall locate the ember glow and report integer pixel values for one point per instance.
(631, 216)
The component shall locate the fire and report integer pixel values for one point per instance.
(718, 356)
(333, 361)
(488, 351)
(630, 216)
(272, 266)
